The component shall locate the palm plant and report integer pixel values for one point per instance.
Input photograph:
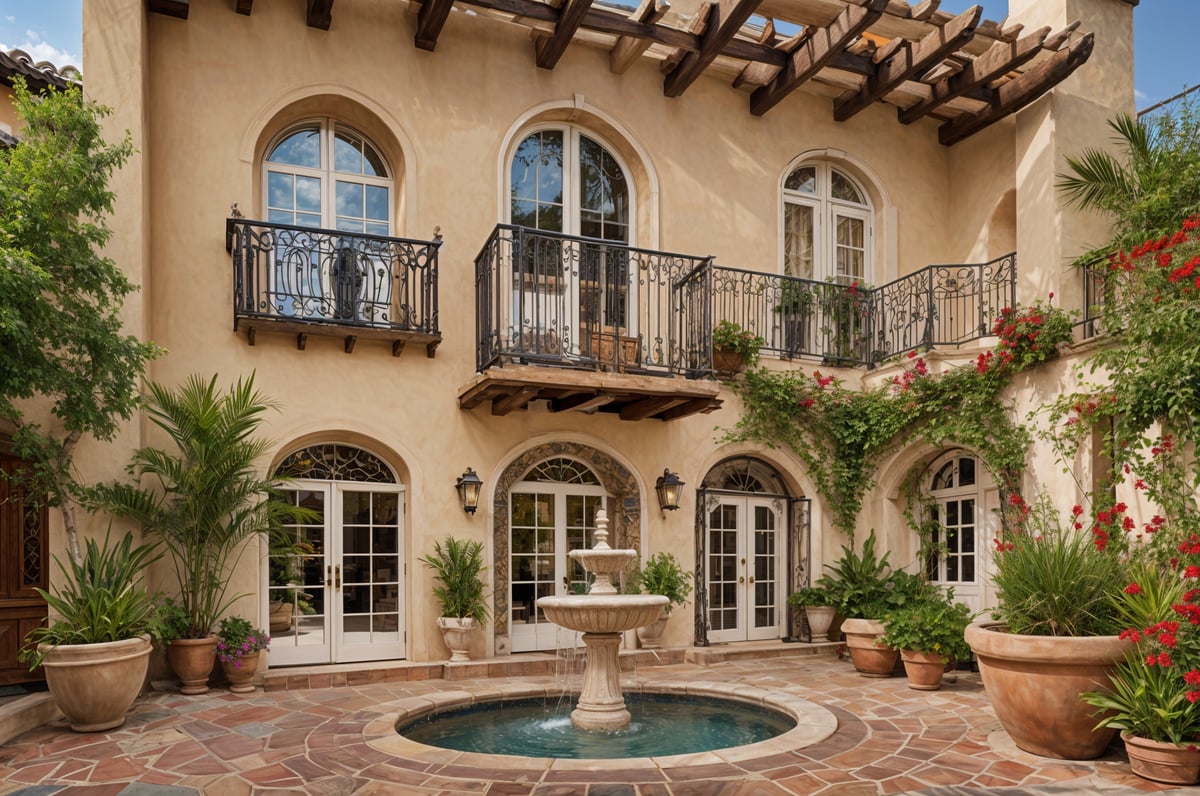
(458, 564)
(1149, 186)
(205, 500)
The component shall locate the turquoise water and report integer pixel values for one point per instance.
(662, 724)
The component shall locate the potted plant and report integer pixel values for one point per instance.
(96, 653)
(458, 564)
(929, 635)
(1056, 637)
(819, 607)
(795, 308)
(662, 574)
(238, 646)
(205, 500)
(734, 348)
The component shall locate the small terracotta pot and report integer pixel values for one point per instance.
(870, 658)
(192, 660)
(924, 669)
(727, 362)
(1162, 762)
(241, 678)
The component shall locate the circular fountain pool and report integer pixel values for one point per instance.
(661, 724)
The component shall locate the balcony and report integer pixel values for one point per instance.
(590, 325)
(303, 281)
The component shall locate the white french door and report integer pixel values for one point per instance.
(745, 555)
(341, 575)
(546, 521)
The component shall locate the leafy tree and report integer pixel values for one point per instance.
(1150, 187)
(66, 368)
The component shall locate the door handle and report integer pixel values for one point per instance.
(329, 574)
(751, 579)
(741, 580)
(337, 577)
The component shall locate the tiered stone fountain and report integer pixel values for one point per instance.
(602, 615)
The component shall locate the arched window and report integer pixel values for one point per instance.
(826, 225)
(323, 174)
(956, 500)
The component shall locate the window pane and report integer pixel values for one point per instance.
(524, 213)
(279, 190)
(803, 179)
(308, 194)
(966, 471)
(347, 155)
(302, 148)
(524, 168)
(349, 224)
(372, 162)
(280, 217)
(850, 232)
(377, 229)
(307, 220)
(537, 173)
(349, 200)
(846, 190)
(798, 240)
(377, 203)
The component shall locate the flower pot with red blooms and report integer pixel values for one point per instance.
(239, 645)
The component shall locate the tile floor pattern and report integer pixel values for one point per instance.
(890, 739)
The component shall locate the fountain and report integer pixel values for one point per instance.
(602, 615)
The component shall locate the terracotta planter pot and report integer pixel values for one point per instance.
(870, 658)
(457, 634)
(923, 669)
(241, 678)
(1162, 762)
(280, 620)
(820, 618)
(1034, 683)
(650, 636)
(94, 684)
(727, 362)
(192, 660)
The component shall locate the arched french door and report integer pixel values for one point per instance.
(335, 585)
(552, 511)
(956, 552)
(745, 543)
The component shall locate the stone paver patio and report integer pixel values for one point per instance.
(888, 739)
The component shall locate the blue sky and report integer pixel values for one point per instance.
(1164, 63)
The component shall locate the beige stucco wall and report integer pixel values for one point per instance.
(203, 98)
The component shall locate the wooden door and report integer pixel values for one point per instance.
(23, 569)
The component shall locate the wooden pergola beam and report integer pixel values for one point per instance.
(815, 52)
(584, 402)
(1020, 91)
(640, 410)
(320, 14)
(550, 48)
(515, 400)
(243, 7)
(629, 49)
(170, 8)
(1001, 58)
(690, 407)
(909, 60)
(724, 21)
(430, 21)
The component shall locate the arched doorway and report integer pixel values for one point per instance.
(751, 550)
(956, 552)
(545, 505)
(342, 573)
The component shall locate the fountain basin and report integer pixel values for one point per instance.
(603, 614)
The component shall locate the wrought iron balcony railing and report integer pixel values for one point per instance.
(552, 299)
(298, 278)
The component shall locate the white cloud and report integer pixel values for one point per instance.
(1140, 96)
(10, 20)
(40, 50)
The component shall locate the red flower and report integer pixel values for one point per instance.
(1133, 588)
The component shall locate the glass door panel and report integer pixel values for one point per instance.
(299, 621)
(725, 565)
(744, 555)
(370, 575)
(534, 568)
(764, 581)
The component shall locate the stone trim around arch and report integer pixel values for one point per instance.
(625, 524)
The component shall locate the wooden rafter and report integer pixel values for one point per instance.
(1001, 58)
(724, 21)
(1020, 91)
(430, 21)
(244, 7)
(925, 9)
(910, 59)
(170, 8)
(549, 49)
(815, 52)
(757, 74)
(628, 49)
(320, 14)
(516, 400)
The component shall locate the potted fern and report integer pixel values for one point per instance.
(458, 564)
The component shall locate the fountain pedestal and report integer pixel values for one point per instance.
(602, 616)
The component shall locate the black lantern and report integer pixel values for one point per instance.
(468, 490)
(669, 488)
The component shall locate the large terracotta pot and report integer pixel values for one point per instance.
(1162, 762)
(457, 634)
(923, 669)
(94, 684)
(1034, 683)
(870, 658)
(192, 660)
(650, 636)
(241, 677)
(820, 618)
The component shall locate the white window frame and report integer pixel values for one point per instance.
(826, 210)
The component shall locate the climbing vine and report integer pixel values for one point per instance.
(840, 433)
